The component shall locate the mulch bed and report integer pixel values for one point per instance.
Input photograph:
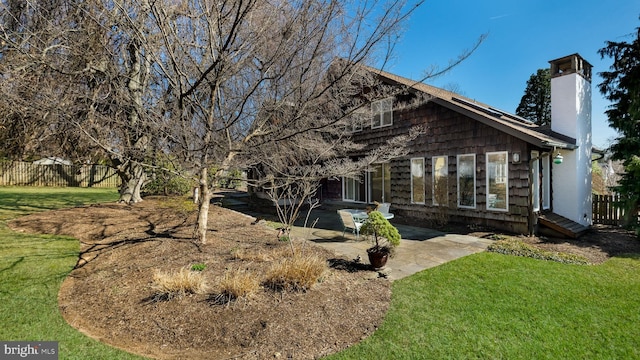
(108, 296)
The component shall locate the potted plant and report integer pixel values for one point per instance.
(385, 238)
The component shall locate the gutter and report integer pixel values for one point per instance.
(560, 145)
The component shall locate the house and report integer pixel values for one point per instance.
(52, 160)
(480, 165)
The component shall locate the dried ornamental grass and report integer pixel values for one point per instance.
(175, 284)
(237, 284)
(296, 273)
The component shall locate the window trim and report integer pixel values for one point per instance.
(346, 179)
(474, 180)
(380, 108)
(433, 178)
(424, 192)
(506, 181)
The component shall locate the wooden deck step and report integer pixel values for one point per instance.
(562, 225)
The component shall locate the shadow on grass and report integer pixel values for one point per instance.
(629, 256)
(28, 200)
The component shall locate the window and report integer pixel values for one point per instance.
(417, 181)
(357, 120)
(380, 179)
(374, 185)
(353, 189)
(382, 111)
(467, 181)
(440, 180)
(535, 177)
(497, 181)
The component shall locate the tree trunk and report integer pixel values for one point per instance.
(133, 178)
(203, 208)
(133, 174)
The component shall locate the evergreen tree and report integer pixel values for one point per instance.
(621, 85)
(535, 104)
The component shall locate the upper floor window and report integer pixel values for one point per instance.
(357, 120)
(382, 111)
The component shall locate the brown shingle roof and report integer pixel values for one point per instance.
(501, 120)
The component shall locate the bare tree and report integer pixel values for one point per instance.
(217, 84)
(291, 172)
(76, 83)
(36, 62)
(229, 64)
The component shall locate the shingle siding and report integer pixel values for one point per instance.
(449, 134)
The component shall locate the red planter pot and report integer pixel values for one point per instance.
(378, 259)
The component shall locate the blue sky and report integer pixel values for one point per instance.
(522, 36)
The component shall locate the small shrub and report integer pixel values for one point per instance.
(167, 286)
(237, 284)
(198, 267)
(384, 236)
(168, 184)
(297, 273)
(520, 248)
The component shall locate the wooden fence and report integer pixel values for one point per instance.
(608, 209)
(28, 174)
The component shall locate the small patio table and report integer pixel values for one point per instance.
(360, 215)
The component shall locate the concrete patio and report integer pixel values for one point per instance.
(420, 248)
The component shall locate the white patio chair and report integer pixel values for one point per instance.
(384, 208)
(348, 222)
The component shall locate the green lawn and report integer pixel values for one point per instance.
(487, 305)
(32, 268)
(493, 306)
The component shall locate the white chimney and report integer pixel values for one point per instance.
(571, 117)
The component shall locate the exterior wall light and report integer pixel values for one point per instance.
(557, 159)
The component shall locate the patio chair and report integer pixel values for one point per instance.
(348, 222)
(384, 209)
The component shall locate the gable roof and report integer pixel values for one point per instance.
(506, 122)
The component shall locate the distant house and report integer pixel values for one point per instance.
(480, 165)
(51, 160)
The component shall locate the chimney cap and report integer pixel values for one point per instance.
(571, 64)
